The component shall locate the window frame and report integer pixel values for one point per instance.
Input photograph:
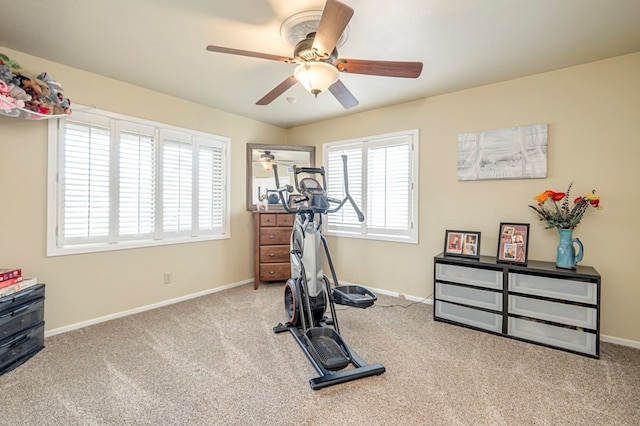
(115, 241)
(363, 144)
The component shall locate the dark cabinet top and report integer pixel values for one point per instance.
(532, 267)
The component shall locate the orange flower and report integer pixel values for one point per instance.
(540, 198)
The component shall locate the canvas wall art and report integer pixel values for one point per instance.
(512, 153)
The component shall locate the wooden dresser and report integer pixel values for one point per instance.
(272, 231)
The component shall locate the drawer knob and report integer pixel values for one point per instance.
(272, 272)
(272, 254)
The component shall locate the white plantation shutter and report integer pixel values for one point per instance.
(389, 186)
(85, 183)
(210, 187)
(382, 180)
(119, 182)
(177, 186)
(137, 184)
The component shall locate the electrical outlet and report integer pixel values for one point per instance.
(168, 277)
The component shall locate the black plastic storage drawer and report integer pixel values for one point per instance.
(17, 349)
(23, 316)
(22, 296)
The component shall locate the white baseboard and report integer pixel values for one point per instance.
(83, 324)
(603, 338)
(427, 301)
(619, 341)
(424, 300)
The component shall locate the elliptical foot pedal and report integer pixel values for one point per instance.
(327, 347)
(354, 295)
(281, 328)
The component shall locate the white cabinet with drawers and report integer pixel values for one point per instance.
(538, 303)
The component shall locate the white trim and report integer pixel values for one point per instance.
(52, 185)
(426, 301)
(127, 245)
(140, 309)
(362, 232)
(603, 338)
(619, 341)
(395, 294)
(54, 195)
(371, 236)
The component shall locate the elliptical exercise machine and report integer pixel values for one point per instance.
(308, 291)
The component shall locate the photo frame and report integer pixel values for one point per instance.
(513, 243)
(462, 244)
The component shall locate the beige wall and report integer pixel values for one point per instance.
(594, 133)
(593, 113)
(84, 287)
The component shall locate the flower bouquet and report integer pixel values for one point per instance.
(555, 209)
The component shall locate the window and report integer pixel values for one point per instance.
(383, 176)
(117, 182)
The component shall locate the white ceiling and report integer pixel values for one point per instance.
(160, 45)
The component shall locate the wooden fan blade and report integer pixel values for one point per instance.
(382, 68)
(335, 18)
(343, 95)
(249, 53)
(277, 91)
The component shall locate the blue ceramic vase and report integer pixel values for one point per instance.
(567, 257)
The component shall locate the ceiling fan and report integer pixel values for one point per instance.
(267, 160)
(319, 67)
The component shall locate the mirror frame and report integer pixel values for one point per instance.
(262, 147)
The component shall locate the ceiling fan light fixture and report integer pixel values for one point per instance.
(316, 76)
(268, 165)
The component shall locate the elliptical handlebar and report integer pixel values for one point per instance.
(321, 171)
(346, 190)
(281, 189)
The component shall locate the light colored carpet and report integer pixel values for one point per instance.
(215, 361)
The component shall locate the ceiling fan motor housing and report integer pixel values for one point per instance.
(268, 156)
(305, 52)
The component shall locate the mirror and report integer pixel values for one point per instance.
(261, 183)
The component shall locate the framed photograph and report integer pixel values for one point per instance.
(462, 244)
(513, 243)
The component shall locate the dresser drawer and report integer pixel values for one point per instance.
(274, 254)
(285, 220)
(466, 275)
(469, 296)
(279, 220)
(21, 297)
(275, 271)
(272, 236)
(16, 349)
(268, 219)
(24, 316)
(579, 316)
(558, 288)
(473, 317)
(552, 335)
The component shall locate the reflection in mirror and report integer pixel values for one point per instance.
(261, 183)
